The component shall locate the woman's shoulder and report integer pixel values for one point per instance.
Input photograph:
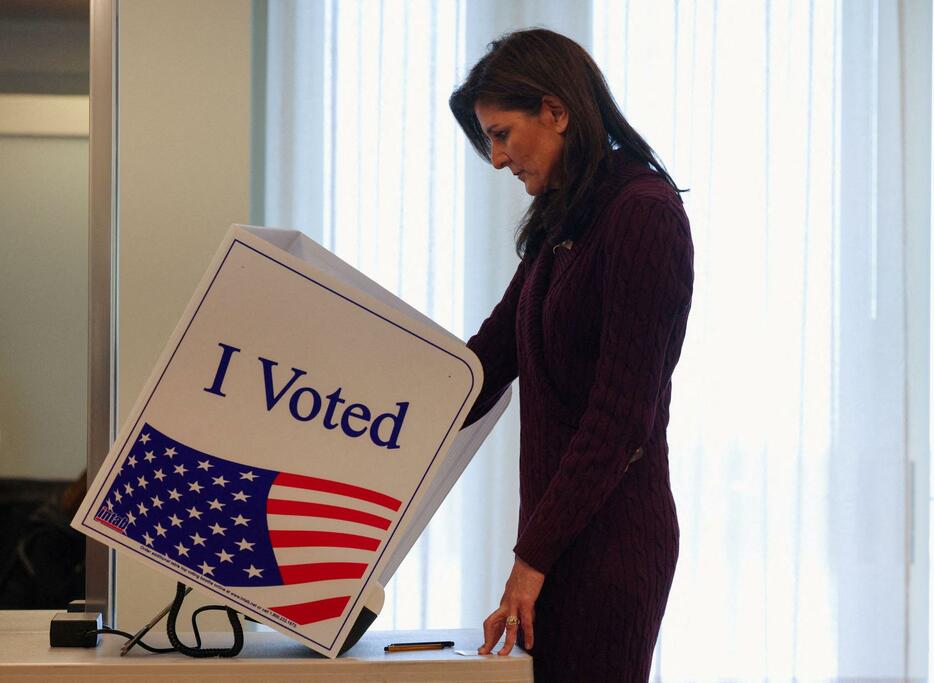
(632, 180)
(633, 190)
(638, 204)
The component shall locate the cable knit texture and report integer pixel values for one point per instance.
(593, 334)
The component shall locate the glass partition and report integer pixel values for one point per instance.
(43, 299)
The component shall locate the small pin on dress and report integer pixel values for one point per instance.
(567, 244)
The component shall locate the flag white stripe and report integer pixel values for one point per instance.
(302, 523)
(287, 556)
(301, 592)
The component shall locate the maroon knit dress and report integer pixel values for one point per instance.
(593, 333)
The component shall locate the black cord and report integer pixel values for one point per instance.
(179, 646)
(207, 608)
(197, 650)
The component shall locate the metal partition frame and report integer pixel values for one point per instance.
(102, 242)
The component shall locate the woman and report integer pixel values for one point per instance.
(592, 324)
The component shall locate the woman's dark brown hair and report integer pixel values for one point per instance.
(516, 72)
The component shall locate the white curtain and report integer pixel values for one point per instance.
(788, 453)
(364, 156)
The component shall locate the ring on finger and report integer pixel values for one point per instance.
(512, 621)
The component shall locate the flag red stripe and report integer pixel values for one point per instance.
(310, 612)
(321, 571)
(300, 481)
(304, 509)
(321, 539)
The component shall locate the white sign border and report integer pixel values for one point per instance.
(178, 337)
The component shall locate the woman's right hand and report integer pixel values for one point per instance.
(522, 589)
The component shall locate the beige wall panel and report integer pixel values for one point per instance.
(184, 93)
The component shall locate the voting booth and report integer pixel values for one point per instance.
(298, 432)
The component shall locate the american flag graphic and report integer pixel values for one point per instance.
(245, 526)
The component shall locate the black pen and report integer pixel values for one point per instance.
(430, 645)
(138, 636)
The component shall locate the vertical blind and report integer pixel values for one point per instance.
(386, 168)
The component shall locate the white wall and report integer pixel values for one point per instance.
(43, 301)
(184, 96)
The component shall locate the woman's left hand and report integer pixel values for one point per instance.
(521, 592)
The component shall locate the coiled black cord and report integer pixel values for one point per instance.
(197, 650)
(178, 645)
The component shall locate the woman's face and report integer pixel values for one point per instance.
(529, 145)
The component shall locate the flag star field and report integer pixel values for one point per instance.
(218, 518)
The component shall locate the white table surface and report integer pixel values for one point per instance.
(25, 655)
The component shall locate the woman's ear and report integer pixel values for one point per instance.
(555, 113)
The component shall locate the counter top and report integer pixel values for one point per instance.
(25, 655)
